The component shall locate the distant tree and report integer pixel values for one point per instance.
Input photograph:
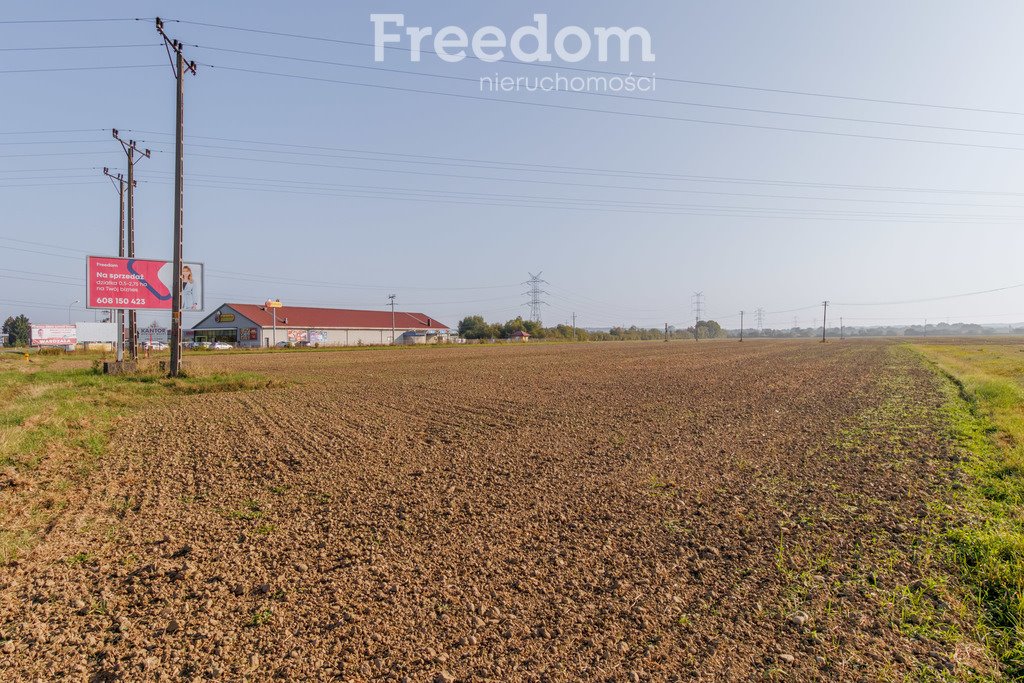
(16, 331)
(708, 329)
(517, 324)
(474, 327)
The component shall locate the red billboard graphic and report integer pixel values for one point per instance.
(54, 335)
(141, 284)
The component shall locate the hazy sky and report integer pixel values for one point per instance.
(456, 198)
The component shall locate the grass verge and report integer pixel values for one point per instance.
(56, 421)
(984, 408)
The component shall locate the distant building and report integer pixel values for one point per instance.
(252, 325)
(520, 336)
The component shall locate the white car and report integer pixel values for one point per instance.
(221, 346)
(154, 346)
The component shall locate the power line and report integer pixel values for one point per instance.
(558, 182)
(262, 277)
(443, 197)
(751, 110)
(597, 171)
(934, 298)
(64, 130)
(803, 93)
(566, 107)
(498, 167)
(66, 21)
(80, 68)
(730, 212)
(75, 47)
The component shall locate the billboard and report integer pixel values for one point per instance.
(54, 335)
(297, 335)
(154, 333)
(97, 332)
(114, 282)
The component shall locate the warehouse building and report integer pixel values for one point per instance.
(253, 325)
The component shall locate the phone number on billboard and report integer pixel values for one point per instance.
(117, 301)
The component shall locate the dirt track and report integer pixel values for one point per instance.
(586, 512)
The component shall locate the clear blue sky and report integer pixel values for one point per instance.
(460, 252)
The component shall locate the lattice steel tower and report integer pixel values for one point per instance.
(697, 306)
(535, 293)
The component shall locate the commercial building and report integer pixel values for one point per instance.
(254, 325)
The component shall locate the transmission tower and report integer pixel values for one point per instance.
(760, 319)
(697, 308)
(697, 305)
(535, 292)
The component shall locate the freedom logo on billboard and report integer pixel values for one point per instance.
(141, 283)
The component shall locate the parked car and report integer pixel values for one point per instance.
(221, 346)
(154, 346)
(285, 344)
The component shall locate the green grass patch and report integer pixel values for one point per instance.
(249, 511)
(79, 559)
(259, 618)
(984, 408)
(56, 420)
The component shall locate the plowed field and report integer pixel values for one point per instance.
(648, 511)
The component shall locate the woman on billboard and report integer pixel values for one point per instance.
(189, 300)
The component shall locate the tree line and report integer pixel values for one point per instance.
(475, 327)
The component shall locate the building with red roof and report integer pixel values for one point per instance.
(254, 325)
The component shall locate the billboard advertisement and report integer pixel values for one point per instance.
(54, 335)
(114, 282)
(295, 336)
(154, 333)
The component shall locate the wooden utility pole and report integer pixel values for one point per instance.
(824, 319)
(391, 297)
(130, 148)
(741, 325)
(180, 67)
(119, 183)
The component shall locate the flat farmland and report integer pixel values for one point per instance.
(618, 511)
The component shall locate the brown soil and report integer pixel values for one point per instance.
(538, 513)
